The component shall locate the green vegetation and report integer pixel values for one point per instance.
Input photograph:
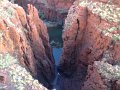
(6, 60)
(107, 70)
(6, 12)
(105, 11)
(41, 15)
(116, 37)
(3, 0)
(109, 33)
(55, 34)
(19, 76)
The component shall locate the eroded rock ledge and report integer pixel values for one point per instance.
(24, 37)
(91, 39)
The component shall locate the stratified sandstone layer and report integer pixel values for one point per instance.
(24, 36)
(53, 10)
(92, 37)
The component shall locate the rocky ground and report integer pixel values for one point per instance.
(15, 77)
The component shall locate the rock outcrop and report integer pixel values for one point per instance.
(24, 36)
(102, 76)
(53, 10)
(15, 77)
(92, 39)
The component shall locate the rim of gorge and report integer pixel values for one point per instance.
(59, 44)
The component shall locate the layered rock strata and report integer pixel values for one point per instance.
(24, 36)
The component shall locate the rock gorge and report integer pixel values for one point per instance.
(91, 41)
(52, 10)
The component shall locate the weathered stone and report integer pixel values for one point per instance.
(83, 37)
(102, 76)
(25, 36)
(91, 33)
(117, 85)
(93, 80)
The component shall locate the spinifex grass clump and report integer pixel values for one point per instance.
(6, 60)
(108, 12)
(6, 10)
(107, 70)
(108, 32)
(19, 76)
(105, 11)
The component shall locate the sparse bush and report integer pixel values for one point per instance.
(107, 70)
(6, 60)
(41, 15)
(19, 76)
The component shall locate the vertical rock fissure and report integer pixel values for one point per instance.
(77, 29)
(74, 53)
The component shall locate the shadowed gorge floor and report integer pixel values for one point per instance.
(56, 42)
(55, 37)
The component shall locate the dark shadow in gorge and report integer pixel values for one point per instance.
(55, 36)
(56, 42)
(62, 82)
(76, 78)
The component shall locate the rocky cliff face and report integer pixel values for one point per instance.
(92, 39)
(24, 36)
(53, 10)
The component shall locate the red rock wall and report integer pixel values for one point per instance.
(91, 30)
(26, 36)
(54, 10)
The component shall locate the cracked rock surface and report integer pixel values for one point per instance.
(24, 36)
(91, 39)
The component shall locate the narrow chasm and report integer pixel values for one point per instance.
(55, 38)
(56, 42)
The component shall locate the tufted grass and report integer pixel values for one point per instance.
(107, 70)
(6, 60)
